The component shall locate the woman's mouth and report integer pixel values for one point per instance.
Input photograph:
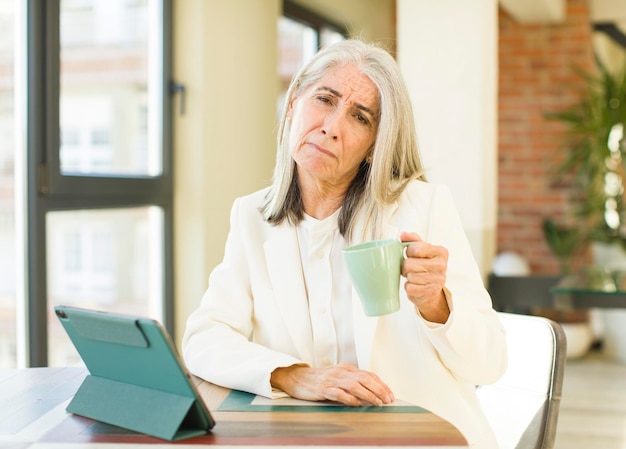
(322, 149)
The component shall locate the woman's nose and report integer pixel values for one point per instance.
(331, 126)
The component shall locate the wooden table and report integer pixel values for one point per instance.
(33, 416)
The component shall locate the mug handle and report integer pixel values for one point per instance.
(404, 247)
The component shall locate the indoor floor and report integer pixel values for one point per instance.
(593, 407)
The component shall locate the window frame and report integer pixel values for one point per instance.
(47, 189)
(311, 19)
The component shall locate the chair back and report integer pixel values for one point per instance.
(523, 406)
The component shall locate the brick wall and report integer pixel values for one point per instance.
(535, 77)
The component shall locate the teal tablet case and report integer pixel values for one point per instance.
(136, 379)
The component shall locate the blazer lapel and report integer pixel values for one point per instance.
(282, 254)
(389, 228)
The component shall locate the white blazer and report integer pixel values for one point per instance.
(254, 316)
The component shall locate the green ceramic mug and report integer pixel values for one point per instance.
(374, 268)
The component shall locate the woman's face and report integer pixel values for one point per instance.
(333, 127)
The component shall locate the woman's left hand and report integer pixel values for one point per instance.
(425, 271)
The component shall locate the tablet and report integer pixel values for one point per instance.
(136, 378)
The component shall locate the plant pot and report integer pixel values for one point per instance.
(576, 325)
(579, 337)
(614, 339)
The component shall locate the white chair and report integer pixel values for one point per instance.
(523, 406)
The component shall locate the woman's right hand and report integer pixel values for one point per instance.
(341, 383)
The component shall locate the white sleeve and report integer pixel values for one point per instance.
(217, 342)
(472, 342)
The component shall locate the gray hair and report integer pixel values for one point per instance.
(395, 157)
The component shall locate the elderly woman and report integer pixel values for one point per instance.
(280, 315)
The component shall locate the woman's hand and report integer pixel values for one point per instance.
(341, 383)
(425, 271)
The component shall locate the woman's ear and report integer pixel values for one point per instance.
(290, 109)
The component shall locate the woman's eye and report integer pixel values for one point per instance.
(361, 118)
(323, 99)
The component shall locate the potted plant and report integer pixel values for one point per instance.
(595, 160)
(595, 164)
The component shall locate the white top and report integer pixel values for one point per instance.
(328, 289)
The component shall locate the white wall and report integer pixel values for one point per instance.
(447, 51)
(225, 53)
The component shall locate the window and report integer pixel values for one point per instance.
(300, 34)
(96, 209)
(112, 260)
